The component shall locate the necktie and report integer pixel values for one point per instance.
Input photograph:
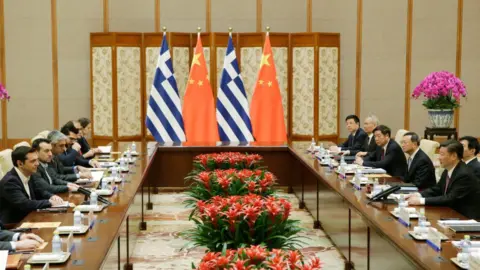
(383, 154)
(446, 184)
(409, 162)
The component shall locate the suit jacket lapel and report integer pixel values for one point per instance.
(452, 178)
(19, 180)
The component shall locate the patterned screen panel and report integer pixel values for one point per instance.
(303, 78)
(328, 91)
(221, 51)
(128, 91)
(206, 53)
(102, 91)
(280, 55)
(151, 57)
(181, 69)
(250, 62)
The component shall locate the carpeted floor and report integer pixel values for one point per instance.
(159, 247)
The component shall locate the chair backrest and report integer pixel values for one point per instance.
(37, 137)
(399, 135)
(6, 163)
(24, 143)
(430, 148)
(43, 134)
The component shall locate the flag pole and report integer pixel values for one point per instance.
(268, 30)
(164, 30)
(230, 29)
(199, 30)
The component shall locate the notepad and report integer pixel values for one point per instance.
(40, 225)
(47, 257)
(105, 149)
(475, 244)
(457, 222)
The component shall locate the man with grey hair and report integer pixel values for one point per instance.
(369, 145)
(59, 146)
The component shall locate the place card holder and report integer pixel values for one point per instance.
(70, 243)
(91, 220)
(434, 240)
(404, 217)
(341, 173)
(357, 183)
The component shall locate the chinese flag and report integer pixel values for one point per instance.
(198, 105)
(266, 110)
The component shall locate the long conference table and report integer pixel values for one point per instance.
(367, 235)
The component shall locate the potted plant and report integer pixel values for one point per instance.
(442, 91)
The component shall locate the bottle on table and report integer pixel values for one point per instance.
(464, 253)
(56, 243)
(114, 172)
(77, 218)
(134, 147)
(401, 202)
(343, 163)
(93, 198)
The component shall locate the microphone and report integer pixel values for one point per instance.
(88, 192)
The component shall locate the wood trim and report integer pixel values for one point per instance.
(3, 76)
(458, 62)
(259, 15)
(106, 16)
(143, 87)
(11, 142)
(114, 91)
(157, 16)
(290, 88)
(316, 91)
(358, 67)
(53, 6)
(92, 134)
(408, 65)
(309, 15)
(208, 23)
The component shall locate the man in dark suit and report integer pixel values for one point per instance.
(14, 241)
(458, 188)
(59, 171)
(73, 155)
(45, 174)
(84, 126)
(470, 151)
(355, 139)
(369, 145)
(421, 171)
(20, 196)
(388, 155)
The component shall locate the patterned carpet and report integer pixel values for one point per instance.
(160, 246)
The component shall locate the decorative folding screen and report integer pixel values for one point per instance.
(123, 66)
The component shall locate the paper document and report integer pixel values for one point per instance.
(3, 259)
(97, 176)
(105, 149)
(64, 204)
(40, 225)
(457, 222)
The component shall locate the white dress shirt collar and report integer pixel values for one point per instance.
(25, 181)
(449, 172)
(385, 146)
(468, 161)
(412, 156)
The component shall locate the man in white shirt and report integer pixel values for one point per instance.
(458, 188)
(370, 123)
(470, 152)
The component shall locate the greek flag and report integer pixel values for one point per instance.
(164, 112)
(232, 104)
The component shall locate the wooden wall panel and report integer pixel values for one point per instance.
(433, 48)
(340, 16)
(241, 15)
(284, 15)
(28, 51)
(76, 20)
(132, 16)
(383, 85)
(178, 19)
(470, 68)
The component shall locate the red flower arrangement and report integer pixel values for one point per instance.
(227, 160)
(257, 257)
(206, 184)
(238, 220)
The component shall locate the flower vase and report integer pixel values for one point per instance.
(441, 118)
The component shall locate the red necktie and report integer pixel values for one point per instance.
(446, 184)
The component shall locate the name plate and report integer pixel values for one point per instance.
(434, 239)
(341, 172)
(358, 183)
(70, 243)
(404, 216)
